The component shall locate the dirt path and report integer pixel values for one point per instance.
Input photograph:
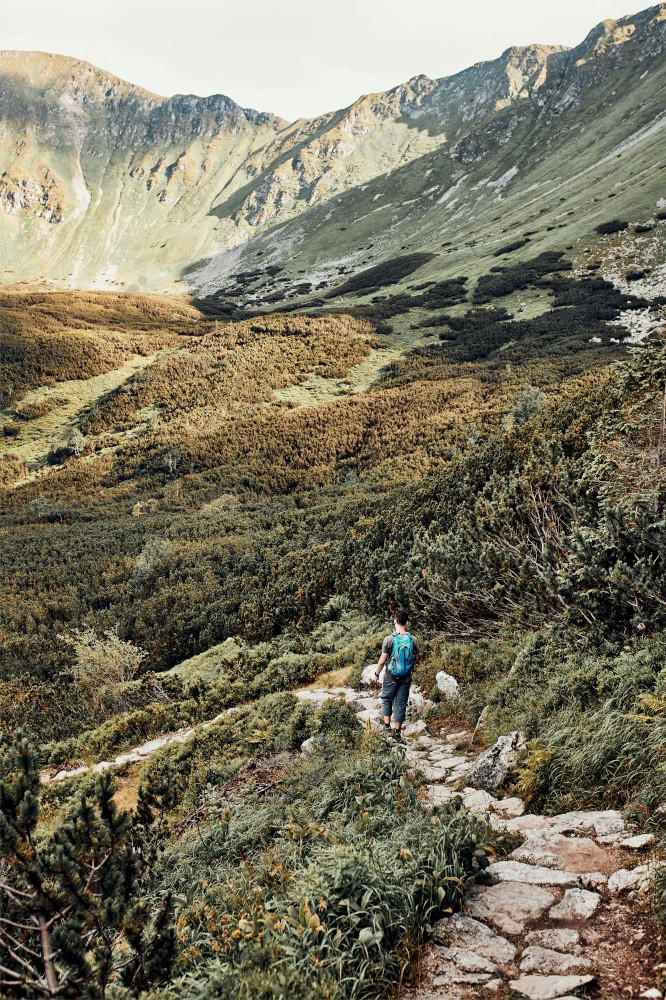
(71, 398)
(361, 377)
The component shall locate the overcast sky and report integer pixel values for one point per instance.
(293, 57)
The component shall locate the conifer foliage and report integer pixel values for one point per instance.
(68, 926)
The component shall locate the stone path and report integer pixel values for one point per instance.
(566, 910)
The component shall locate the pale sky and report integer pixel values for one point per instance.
(293, 57)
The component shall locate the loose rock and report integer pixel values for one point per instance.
(491, 769)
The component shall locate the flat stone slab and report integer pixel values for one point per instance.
(516, 871)
(461, 931)
(596, 823)
(438, 771)
(554, 850)
(509, 808)
(370, 716)
(476, 800)
(367, 704)
(599, 822)
(423, 742)
(576, 904)
(548, 987)
(547, 961)
(639, 842)
(459, 966)
(557, 938)
(637, 878)
(508, 906)
(437, 795)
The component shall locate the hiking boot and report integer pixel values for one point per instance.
(387, 729)
(397, 736)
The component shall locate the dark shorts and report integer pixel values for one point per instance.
(395, 692)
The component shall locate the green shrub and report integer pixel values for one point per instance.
(614, 226)
(328, 893)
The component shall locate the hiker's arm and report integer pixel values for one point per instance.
(380, 665)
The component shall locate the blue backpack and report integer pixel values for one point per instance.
(401, 662)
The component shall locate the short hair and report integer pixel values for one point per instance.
(401, 617)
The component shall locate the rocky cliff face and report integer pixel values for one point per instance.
(103, 184)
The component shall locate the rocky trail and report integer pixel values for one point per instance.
(567, 911)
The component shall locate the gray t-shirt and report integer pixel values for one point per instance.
(387, 645)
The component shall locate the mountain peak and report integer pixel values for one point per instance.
(46, 71)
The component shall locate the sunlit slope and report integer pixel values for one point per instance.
(544, 171)
(103, 184)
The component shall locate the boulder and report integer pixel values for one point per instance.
(546, 962)
(461, 931)
(576, 904)
(491, 769)
(308, 746)
(417, 703)
(480, 722)
(548, 987)
(448, 685)
(508, 906)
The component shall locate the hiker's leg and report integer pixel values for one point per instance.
(400, 702)
(388, 694)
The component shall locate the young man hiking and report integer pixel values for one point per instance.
(400, 654)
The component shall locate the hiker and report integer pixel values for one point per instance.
(402, 653)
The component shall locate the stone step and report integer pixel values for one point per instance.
(548, 987)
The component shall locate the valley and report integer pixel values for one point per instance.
(262, 385)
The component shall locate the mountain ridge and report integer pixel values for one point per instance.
(106, 185)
